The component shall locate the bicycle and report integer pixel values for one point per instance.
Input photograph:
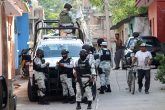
(131, 79)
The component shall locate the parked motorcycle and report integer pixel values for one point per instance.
(25, 61)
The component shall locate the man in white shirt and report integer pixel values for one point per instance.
(143, 58)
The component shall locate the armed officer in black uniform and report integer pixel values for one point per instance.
(85, 73)
(65, 66)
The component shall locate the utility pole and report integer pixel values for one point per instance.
(106, 9)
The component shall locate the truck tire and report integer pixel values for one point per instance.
(32, 92)
(1, 94)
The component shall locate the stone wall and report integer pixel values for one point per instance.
(141, 25)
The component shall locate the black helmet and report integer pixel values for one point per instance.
(64, 51)
(83, 54)
(135, 34)
(99, 41)
(86, 47)
(67, 6)
(40, 52)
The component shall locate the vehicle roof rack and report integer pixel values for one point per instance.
(60, 37)
(44, 27)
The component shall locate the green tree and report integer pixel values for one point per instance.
(97, 2)
(160, 75)
(52, 8)
(120, 9)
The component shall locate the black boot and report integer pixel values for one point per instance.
(84, 100)
(102, 90)
(42, 101)
(89, 105)
(65, 99)
(72, 100)
(108, 88)
(78, 106)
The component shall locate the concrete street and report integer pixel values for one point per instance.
(119, 99)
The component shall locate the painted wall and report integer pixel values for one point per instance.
(126, 32)
(152, 15)
(11, 45)
(22, 34)
(156, 12)
(123, 31)
(141, 25)
(161, 20)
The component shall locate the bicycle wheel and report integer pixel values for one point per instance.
(133, 84)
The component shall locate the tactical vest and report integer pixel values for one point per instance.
(106, 55)
(84, 67)
(65, 18)
(37, 67)
(64, 70)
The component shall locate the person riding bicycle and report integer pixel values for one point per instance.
(134, 47)
(24, 57)
(39, 66)
(136, 44)
(65, 66)
(85, 74)
(143, 58)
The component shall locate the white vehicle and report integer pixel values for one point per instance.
(52, 53)
(52, 45)
(52, 49)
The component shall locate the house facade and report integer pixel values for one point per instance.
(156, 16)
(96, 22)
(9, 9)
(127, 26)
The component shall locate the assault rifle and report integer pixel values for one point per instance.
(88, 83)
(78, 77)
